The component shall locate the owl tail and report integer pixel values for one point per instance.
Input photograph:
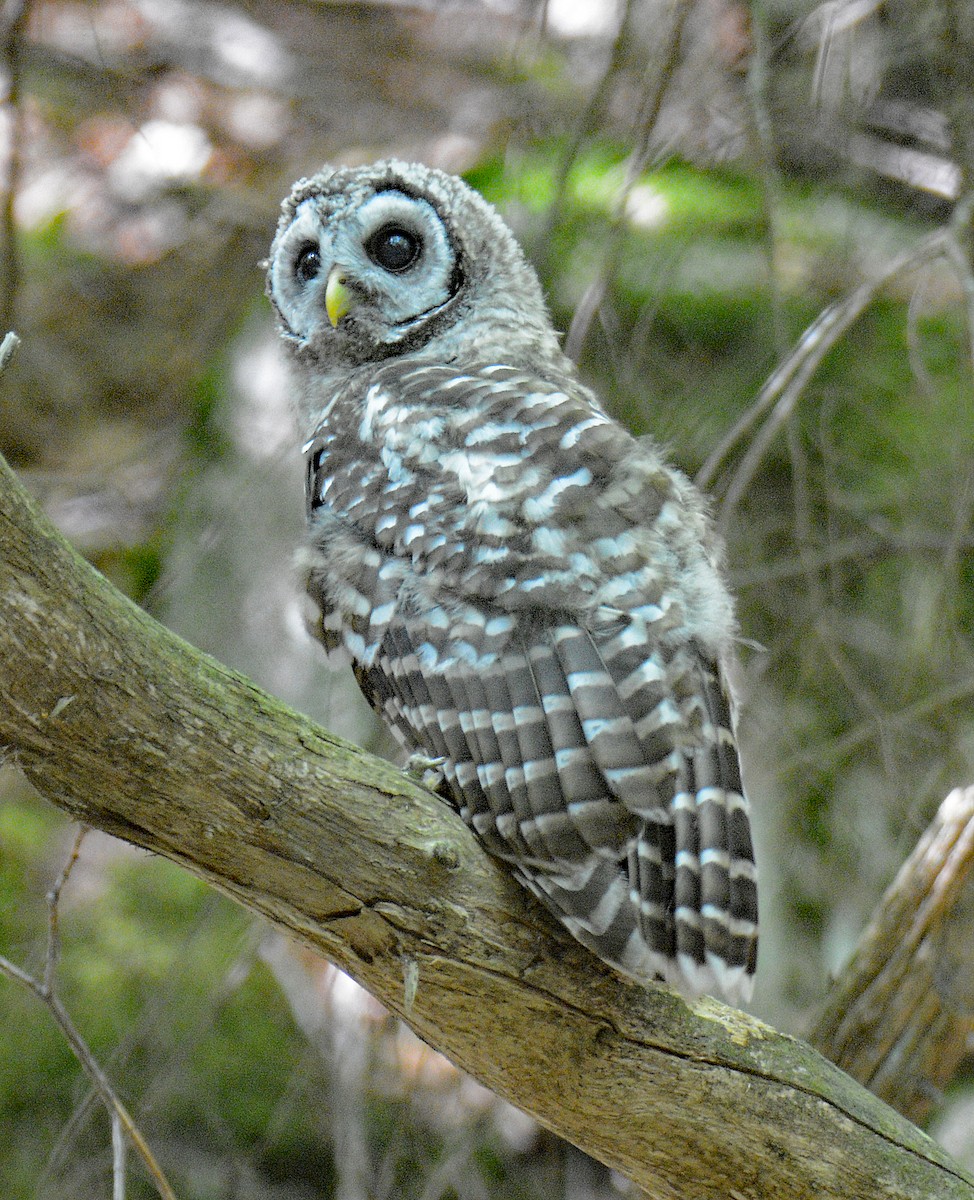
(691, 948)
(678, 901)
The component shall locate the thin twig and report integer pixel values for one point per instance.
(589, 122)
(118, 1158)
(53, 955)
(43, 989)
(11, 34)
(876, 544)
(823, 755)
(768, 175)
(785, 385)
(92, 1069)
(638, 160)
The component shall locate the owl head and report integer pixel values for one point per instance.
(401, 259)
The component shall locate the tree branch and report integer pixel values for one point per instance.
(900, 1017)
(129, 729)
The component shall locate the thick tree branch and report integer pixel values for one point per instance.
(119, 722)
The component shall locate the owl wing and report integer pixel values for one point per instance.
(504, 621)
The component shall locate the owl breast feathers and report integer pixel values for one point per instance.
(525, 591)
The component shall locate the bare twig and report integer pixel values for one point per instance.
(767, 165)
(822, 755)
(12, 22)
(118, 1158)
(638, 160)
(590, 120)
(784, 388)
(43, 989)
(53, 956)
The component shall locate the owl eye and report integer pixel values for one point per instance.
(308, 264)
(393, 248)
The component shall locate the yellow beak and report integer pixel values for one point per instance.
(339, 298)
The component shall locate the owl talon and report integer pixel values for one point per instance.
(425, 771)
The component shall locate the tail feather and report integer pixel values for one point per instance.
(607, 776)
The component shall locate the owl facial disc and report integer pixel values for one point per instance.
(379, 274)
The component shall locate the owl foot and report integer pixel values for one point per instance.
(426, 771)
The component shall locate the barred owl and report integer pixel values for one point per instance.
(529, 596)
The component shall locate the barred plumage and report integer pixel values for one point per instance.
(525, 591)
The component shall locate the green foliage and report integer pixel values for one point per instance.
(204, 434)
(136, 569)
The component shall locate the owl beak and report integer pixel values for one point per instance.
(339, 297)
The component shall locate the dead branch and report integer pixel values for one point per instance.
(900, 1017)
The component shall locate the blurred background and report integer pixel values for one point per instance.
(753, 225)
